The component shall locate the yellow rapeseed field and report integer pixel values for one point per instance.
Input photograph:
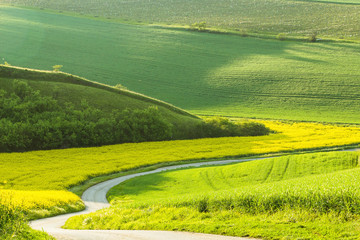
(28, 200)
(41, 178)
(37, 204)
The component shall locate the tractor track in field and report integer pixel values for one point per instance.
(95, 199)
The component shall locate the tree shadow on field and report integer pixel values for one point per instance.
(235, 68)
(175, 66)
(302, 59)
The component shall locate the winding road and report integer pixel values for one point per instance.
(95, 199)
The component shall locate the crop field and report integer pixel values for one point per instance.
(332, 19)
(310, 196)
(59, 170)
(203, 73)
(39, 204)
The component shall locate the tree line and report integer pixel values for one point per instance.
(30, 121)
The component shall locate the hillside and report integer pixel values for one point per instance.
(66, 87)
(44, 110)
(329, 19)
(203, 73)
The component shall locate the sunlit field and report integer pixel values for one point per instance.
(200, 182)
(62, 169)
(311, 196)
(212, 74)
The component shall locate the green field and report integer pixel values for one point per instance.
(311, 196)
(201, 181)
(329, 18)
(200, 72)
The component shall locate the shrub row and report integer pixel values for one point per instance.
(223, 127)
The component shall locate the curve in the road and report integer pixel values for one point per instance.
(95, 199)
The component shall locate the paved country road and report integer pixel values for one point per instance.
(95, 199)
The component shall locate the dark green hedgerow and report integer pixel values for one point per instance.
(223, 127)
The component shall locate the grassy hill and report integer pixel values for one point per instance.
(200, 72)
(329, 18)
(70, 88)
(69, 108)
(311, 196)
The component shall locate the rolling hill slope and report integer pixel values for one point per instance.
(200, 72)
(66, 88)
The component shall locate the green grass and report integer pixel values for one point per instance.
(311, 196)
(157, 187)
(46, 81)
(281, 225)
(335, 19)
(200, 72)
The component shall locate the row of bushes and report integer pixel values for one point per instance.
(30, 121)
(223, 127)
